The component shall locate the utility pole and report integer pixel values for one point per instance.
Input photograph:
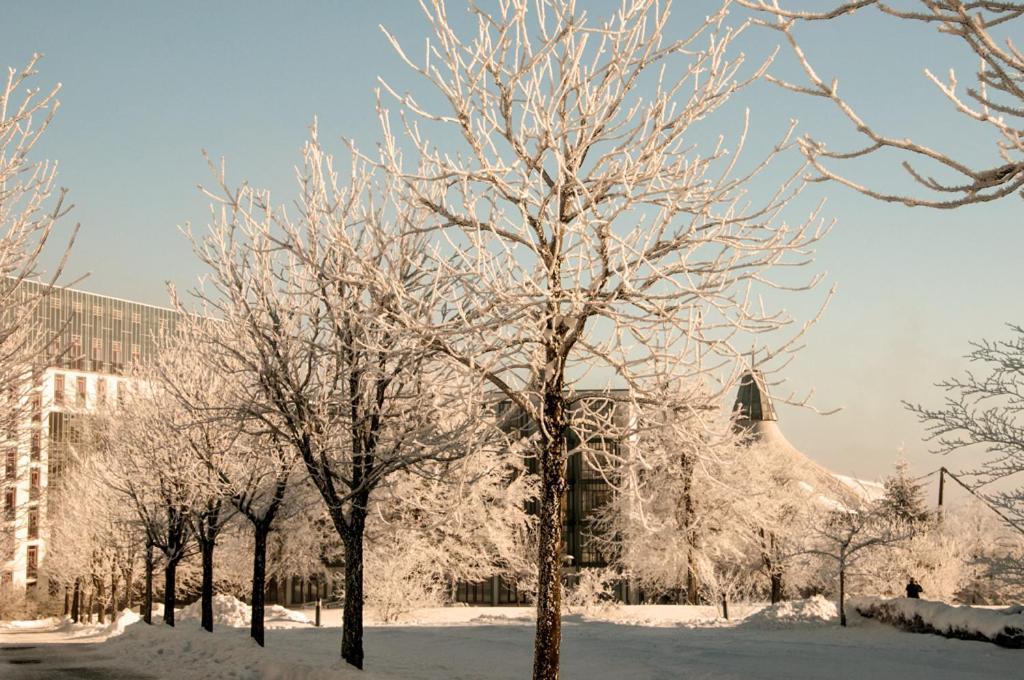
(942, 485)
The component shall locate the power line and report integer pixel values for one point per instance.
(985, 501)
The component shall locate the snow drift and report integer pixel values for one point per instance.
(230, 611)
(814, 611)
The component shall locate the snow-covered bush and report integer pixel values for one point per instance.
(590, 589)
(1004, 627)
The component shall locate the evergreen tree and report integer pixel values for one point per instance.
(904, 498)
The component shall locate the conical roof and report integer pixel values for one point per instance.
(753, 403)
(757, 421)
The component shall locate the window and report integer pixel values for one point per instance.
(97, 351)
(77, 306)
(33, 523)
(11, 466)
(6, 581)
(97, 310)
(36, 448)
(32, 571)
(55, 302)
(101, 390)
(58, 389)
(37, 406)
(9, 501)
(136, 353)
(80, 390)
(136, 317)
(116, 314)
(33, 484)
(115, 352)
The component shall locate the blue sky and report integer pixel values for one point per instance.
(147, 85)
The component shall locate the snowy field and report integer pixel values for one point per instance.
(791, 642)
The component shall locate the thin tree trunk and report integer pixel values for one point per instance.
(842, 595)
(147, 600)
(76, 601)
(725, 606)
(170, 576)
(259, 578)
(114, 582)
(67, 600)
(548, 636)
(101, 604)
(92, 597)
(352, 615)
(207, 592)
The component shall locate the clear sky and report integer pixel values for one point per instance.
(147, 85)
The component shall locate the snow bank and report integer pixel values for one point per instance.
(1005, 627)
(230, 611)
(814, 611)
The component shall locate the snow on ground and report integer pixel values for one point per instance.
(792, 641)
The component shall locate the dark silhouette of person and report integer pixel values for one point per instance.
(914, 589)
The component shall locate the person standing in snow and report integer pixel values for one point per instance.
(914, 589)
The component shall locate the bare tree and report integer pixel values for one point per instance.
(30, 207)
(323, 365)
(994, 102)
(144, 462)
(983, 412)
(846, 537)
(583, 236)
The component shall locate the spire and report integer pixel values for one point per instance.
(753, 403)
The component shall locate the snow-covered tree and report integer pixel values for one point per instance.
(143, 461)
(985, 413)
(327, 370)
(904, 496)
(844, 538)
(581, 228)
(30, 207)
(994, 102)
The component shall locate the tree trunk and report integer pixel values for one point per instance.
(92, 597)
(548, 637)
(207, 592)
(725, 606)
(114, 583)
(76, 601)
(259, 579)
(129, 586)
(777, 587)
(101, 604)
(147, 600)
(842, 595)
(170, 575)
(67, 600)
(352, 616)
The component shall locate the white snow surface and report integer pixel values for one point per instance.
(793, 642)
(946, 617)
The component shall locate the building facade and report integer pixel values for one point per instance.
(89, 346)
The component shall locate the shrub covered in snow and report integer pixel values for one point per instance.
(1004, 627)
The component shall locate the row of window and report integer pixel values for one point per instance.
(75, 351)
(97, 310)
(82, 390)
